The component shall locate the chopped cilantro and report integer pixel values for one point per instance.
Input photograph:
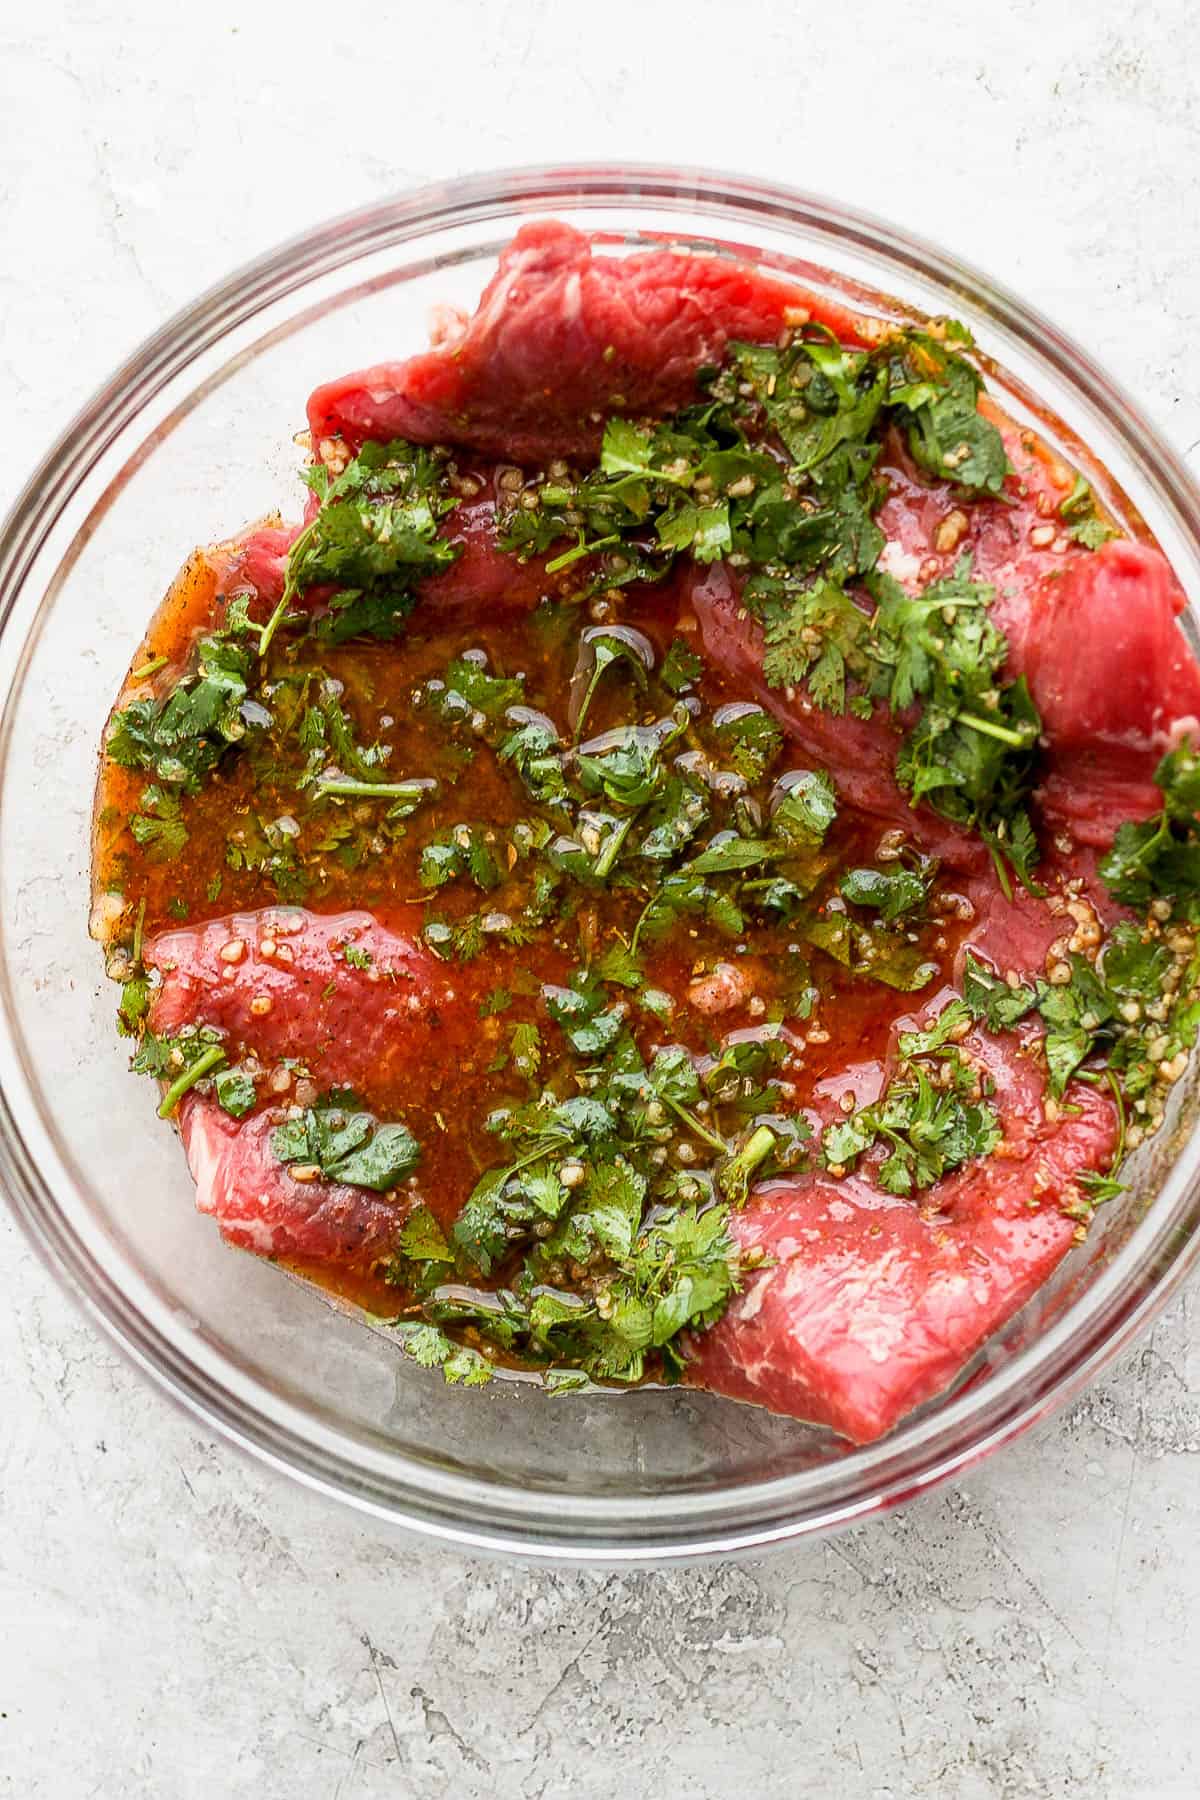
(1091, 533)
(601, 1229)
(806, 808)
(600, 651)
(750, 738)
(470, 687)
(235, 1091)
(533, 749)
(811, 636)
(134, 1003)
(349, 1147)
(159, 826)
(422, 1238)
(926, 1130)
(180, 738)
(872, 952)
(586, 1182)
(1159, 858)
(180, 1061)
(1079, 510)
(937, 394)
(432, 1349)
(971, 754)
(526, 1049)
(990, 998)
(462, 850)
(681, 667)
(374, 536)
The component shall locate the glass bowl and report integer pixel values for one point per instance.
(188, 441)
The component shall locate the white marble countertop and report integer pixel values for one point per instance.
(175, 1622)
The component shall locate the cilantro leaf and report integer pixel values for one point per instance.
(235, 1091)
(1159, 858)
(871, 952)
(806, 807)
(620, 966)
(935, 1037)
(971, 753)
(937, 393)
(469, 686)
(1074, 1013)
(180, 738)
(815, 395)
(422, 1238)
(526, 1049)
(889, 892)
(991, 999)
(159, 826)
(377, 522)
(681, 667)
(465, 849)
(749, 738)
(926, 1134)
(600, 651)
(811, 636)
(1085, 525)
(191, 1056)
(349, 1147)
(432, 1349)
(625, 765)
(533, 750)
(680, 810)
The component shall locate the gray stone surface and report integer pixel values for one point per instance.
(176, 1623)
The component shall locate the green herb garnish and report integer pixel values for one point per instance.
(1159, 858)
(345, 1146)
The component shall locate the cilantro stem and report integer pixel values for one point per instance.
(290, 588)
(611, 850)
(998, 864)
(295, 717)
(149, 668)
(1003, 733)
(373, 790)
(212, 1057)
(641, 920)
(582, 548)
(758, 1147)
(587, 699)
(273, 623)
(138, 926)
(1122, 1121)
(734, 1178)
(693, 1124)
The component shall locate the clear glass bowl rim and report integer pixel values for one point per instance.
(1038, 1379)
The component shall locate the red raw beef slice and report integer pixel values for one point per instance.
(871, 1304)
(261, 560)
(258, 1203)
(291, 993)
(1114, 679)
(561, 339)
(349, 1026)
